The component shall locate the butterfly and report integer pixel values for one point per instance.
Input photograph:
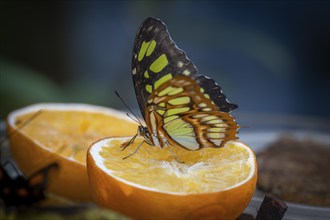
(18, 190)
(180, 107)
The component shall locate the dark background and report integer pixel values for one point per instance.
(270, 57)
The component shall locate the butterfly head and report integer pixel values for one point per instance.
(144, 132)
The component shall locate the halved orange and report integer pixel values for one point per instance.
(212, 183)
(62, 133)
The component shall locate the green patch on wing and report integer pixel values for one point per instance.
(146, 49)
(159, 64)
(181, 132)
(162, 80)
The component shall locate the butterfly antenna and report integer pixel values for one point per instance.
(136, 118)
(20, 126)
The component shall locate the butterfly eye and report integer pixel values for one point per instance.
(141, 130)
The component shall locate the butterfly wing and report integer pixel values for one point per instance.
(37, 184)
(39, 180)
(213, 90)
(20, 191)
(156, 59)
(179, 111)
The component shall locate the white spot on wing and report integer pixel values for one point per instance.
(215, 121)
(186, 72)
(202, 105)
(207, 109)
(215, 135)
(134, 71)
(200, 116)
(216, 142)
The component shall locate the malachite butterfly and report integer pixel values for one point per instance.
(181, 108)
(17, 191)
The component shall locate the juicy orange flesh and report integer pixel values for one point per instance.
(70, 133)
(205, 170)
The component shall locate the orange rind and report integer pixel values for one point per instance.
(62, 133)
(212, 183)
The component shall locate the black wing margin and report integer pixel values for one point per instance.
(214, 91)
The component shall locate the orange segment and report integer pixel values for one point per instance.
(62, 133)
(211, 183)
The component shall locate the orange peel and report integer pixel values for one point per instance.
(212, 183)
(62, 133)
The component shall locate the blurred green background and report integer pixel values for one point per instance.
(268, 56)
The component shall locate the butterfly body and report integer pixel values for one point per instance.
(181, 108)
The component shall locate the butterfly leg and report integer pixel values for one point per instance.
(173, 154)
(134, 151)
(123, 147)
